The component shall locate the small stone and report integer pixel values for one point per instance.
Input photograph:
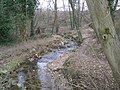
(36, 55)
(31, 59)
(4, 71)
(33, 70)
(14, 82)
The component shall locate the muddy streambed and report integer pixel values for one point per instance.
(34, 75)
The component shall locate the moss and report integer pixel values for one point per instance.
(10, 66)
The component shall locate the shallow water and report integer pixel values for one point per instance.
(44, 76)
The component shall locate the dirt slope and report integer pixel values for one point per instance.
(85, 69)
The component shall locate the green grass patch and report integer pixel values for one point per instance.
(10, 66)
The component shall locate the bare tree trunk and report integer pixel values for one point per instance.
(105, 31)
(73, 13)
(56, 26)
(32, 27)
(64, 13)
(71, 22)
(78, 12)
(115, 6)
(81, 16)
(76, 21)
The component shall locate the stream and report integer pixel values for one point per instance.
(43, 74)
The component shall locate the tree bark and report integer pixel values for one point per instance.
(75, 19)
(56, 26)
(32, 27)
(71, 22)
(73, 13)
(104, 28)
(79, 22)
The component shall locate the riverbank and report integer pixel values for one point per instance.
(85, 69)
(22, 57)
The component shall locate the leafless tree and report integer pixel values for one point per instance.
(104, 28)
